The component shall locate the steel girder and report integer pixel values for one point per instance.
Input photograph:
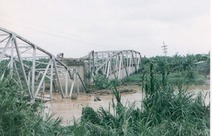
(115, 64)
(35, 69)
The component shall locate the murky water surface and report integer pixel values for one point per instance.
(69, 109)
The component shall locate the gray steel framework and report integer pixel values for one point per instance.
(36, 69)
(114, 64)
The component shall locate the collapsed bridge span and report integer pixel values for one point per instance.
(39, 72)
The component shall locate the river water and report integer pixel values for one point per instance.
(72, 108)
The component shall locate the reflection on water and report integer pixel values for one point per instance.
(68, 108)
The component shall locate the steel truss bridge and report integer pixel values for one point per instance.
(39, 72)
(114, 64)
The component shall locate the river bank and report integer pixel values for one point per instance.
(69, 109)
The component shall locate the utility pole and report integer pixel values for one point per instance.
(164, 48)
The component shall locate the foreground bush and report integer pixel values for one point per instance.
(162, 113)
(20, 118)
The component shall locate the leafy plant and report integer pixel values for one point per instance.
(19, 117)
(103, 82)
(163, 112)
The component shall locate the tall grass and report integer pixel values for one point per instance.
(163, 112)
(20, 118)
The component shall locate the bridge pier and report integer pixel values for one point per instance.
(35, 68)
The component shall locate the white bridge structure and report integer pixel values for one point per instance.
(115, 64)
(39, 72)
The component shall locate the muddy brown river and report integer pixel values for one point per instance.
(72, 108)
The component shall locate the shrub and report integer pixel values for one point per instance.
(163, 112)
(103, 82)
(19, 117)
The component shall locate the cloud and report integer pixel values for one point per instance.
(80, 26)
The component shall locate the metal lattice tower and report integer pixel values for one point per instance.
(35, 69)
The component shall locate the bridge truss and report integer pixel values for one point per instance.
(39, 72)
(114, 64)
(36, 70)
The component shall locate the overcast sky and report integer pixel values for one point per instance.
(75, 27)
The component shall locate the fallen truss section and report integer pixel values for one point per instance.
(36, 70)
(114, 64)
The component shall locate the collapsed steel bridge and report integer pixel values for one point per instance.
(39, 72)
(36, 69)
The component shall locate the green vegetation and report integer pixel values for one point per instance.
(134, 79)
(189, 69)
(163, 112)
(102, 82)
(20, 118)
(73, 62)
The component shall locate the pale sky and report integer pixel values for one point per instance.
(75, 27)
